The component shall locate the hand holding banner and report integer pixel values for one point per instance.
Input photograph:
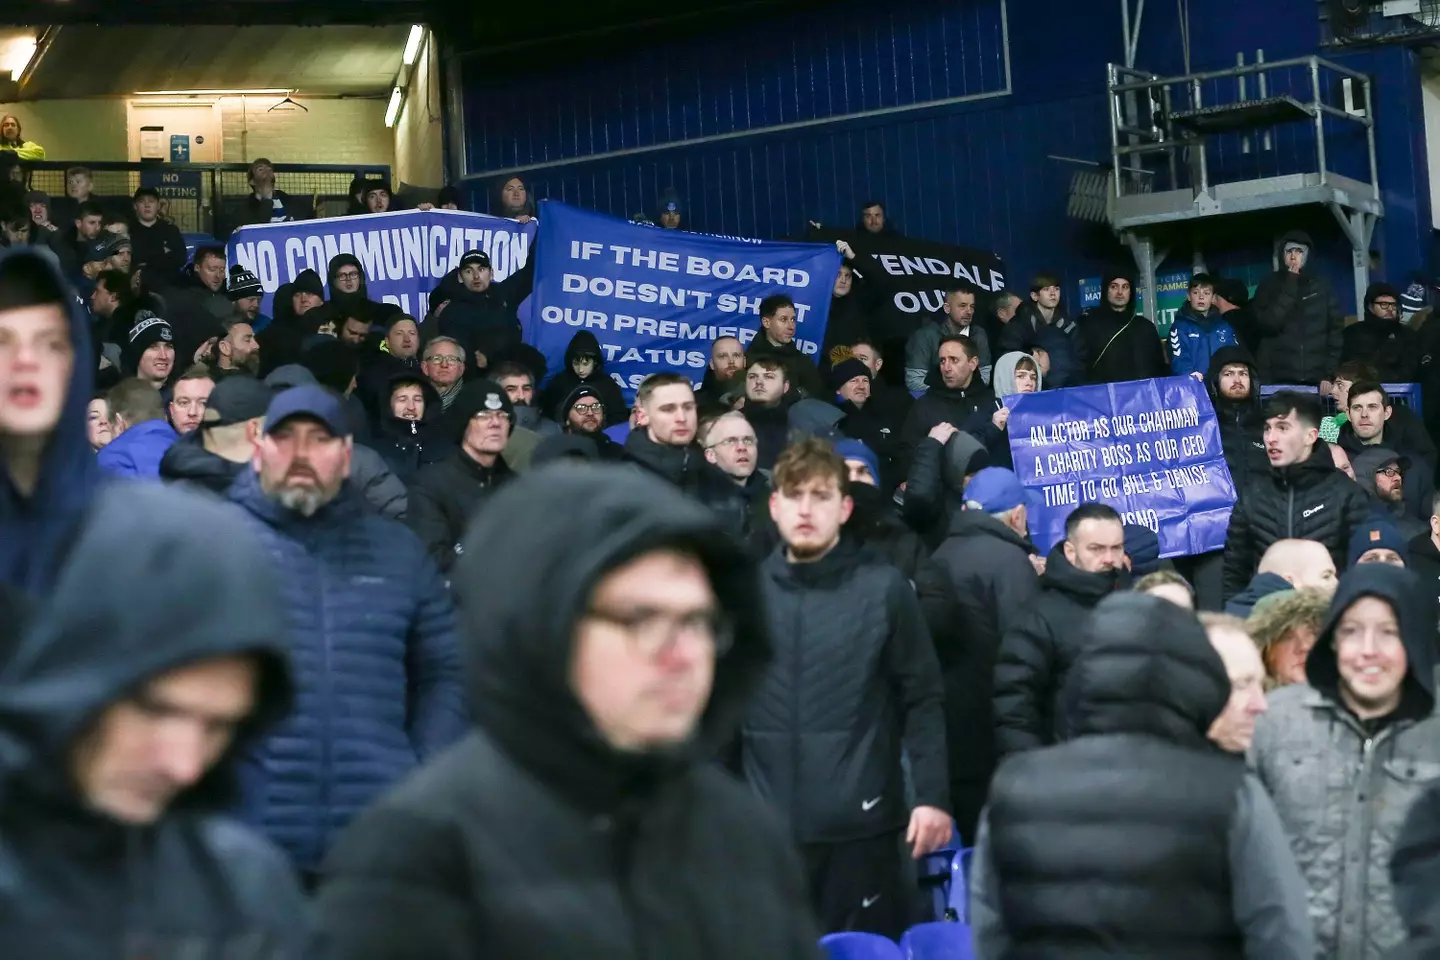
(1149, 448)
(657, 299)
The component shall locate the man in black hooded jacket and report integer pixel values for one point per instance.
(979, 586)
(611, 656)
(1297, 317)
(120, 725)
(1301, 497)
(584, 367)
(1113, 341)
(1036, 654)
(1137, 838)
(349, 296)
(1381, 340)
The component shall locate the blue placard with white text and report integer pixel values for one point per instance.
(404, 254)
(657, 299)
(1149, 448)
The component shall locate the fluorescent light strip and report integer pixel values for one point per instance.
(268, 92)
(412, 44)
(392, 112)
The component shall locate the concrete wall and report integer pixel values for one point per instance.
(418, 134)
(74, 129)
(333, 131)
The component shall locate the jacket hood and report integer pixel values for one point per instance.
(1111, 276)
(584, 344)
(1002, 377)
(36, 531)
(812, 417)
(1146, 666)
(1402, 591)
(1086, 588)
(95, 641)
(1381, 290)
(963, 455)
(519, 620)
(345, 260)
(1260, 586)
(1295, 236)
(1366, 462)
(1221, 359)
(188, 460)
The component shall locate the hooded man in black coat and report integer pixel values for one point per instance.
(611, 656)
(584, 367)
(1301, 497)
(295, 305)
(1381, 340)
(1137, 837)
(1114, 342)
(1298, 318)
(120, 726)
(1036, 654)
(985, 586)
(349, 296)
(408, 432)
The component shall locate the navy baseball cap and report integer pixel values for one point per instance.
(97, 251)
(315, 402)
(235, 399)
(994, 490)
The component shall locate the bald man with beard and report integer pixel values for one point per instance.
(1286, 565)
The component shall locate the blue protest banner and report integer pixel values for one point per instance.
(656, 299)
(1149, 448)
(404, 254)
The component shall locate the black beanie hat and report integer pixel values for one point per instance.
(847, 370)
(308, 281)
(146, 330)
(475, 396)
(244, 284)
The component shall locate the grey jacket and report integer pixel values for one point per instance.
(1343, 794)
(1267, 891)
(923, 347)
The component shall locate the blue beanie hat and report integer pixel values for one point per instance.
(1142, 546)
(856, 450)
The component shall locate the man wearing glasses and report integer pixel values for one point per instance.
(612, 654)
(445, 495)
(1380, 339)
(444, 366)
(582, 414)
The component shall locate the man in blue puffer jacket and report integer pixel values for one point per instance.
(1199, 331)
(378, 678)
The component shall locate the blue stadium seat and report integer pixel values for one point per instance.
(859, 946)
(934, 871)
(937, 941)
(1405, 394)
(957, 900)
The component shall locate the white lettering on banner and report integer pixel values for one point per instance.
(399, 253)
(1100, 447)
(902, 266)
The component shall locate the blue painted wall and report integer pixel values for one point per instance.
(613, 131)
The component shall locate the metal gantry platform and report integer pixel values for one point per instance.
(1163, 129)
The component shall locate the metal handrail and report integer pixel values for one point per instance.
(1247, 70)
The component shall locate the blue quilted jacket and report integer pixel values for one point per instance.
(377, 673)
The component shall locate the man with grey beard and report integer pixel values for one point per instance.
(377, 675)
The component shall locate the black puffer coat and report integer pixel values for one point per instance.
(1300, 323)
(1116, 843)
(533, 838)
(408, 445)
(853, 681)
(1037, 652)
(567, 381)
(1308, 501)
(978, 586)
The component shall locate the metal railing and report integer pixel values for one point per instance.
(1179, 118)
(206, 197)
